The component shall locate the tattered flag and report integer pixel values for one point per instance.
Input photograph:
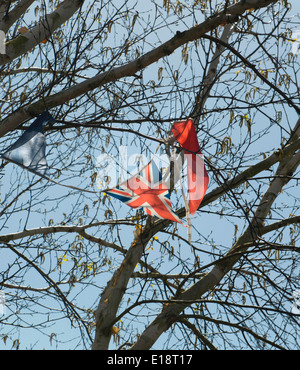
(29, 150)
(185, 134)
(147, 190)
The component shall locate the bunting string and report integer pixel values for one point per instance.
(147, 189)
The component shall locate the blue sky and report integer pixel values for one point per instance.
(224, 235)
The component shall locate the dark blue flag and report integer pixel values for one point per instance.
(29, 150)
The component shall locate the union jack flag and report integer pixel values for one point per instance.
(146, 190)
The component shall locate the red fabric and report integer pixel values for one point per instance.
(185, 134)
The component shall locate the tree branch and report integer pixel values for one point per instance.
(234, 325)
(30, 39)
(164, 320)
(280, 224)
(255, 70)
(131, 68)
(9, 19)
(206, 86)
(52, 283)
(197, 333)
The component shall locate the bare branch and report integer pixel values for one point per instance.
(30, 39)
(168, 315)
(12, 16)
(128, 69)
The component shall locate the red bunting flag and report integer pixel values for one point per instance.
(185, 134)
